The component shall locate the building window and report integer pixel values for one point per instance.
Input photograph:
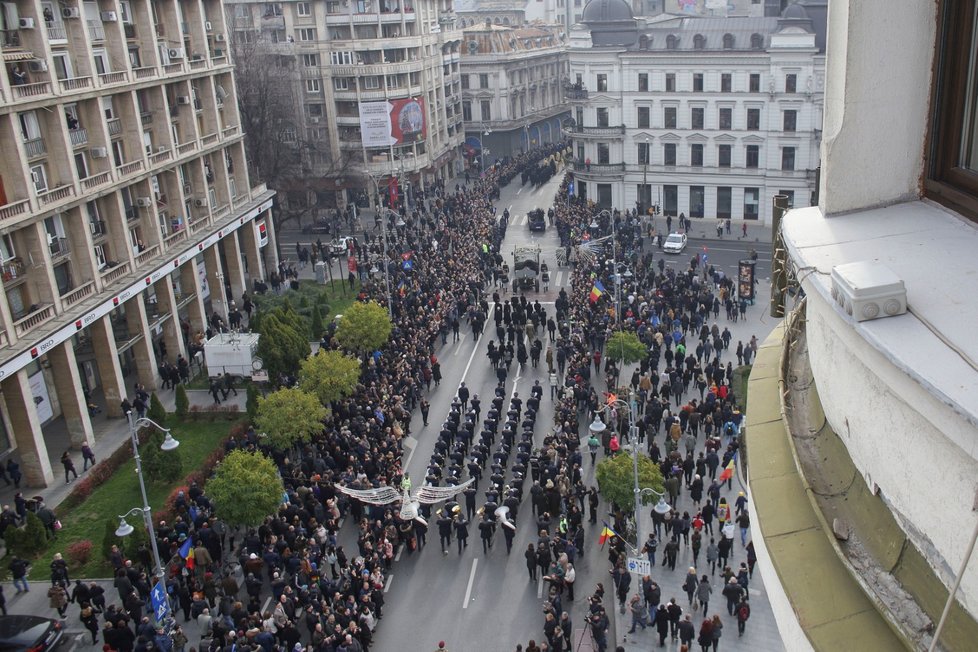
(726, 82)
(602, 113)
(483, 80)
(790, 120)
(643, 117)
(307, 34)
(699, 42)
(726, 118)
(465, 81)
(753, 156)
(341, 58)
(604, 154)
(310, 60)
(697, 82)
(790, 83)
(755, 82)
(696, 119)
(697, 197)
(643, 154)
(669, 154)
(751, 203)
(724, 200)
(643, 82)
(602, 85)
(467, 111)
(670, 200)
(485, 110)
(756, 42)
(952, 157)
(371, 83)
(753, 119)
(728, 41)
(99, 252)
(787, 158)
(790, 194)
(669, 117)
(696, 155)
(303, 9)
(672, 42)
(670, 82)
(312, 85)
(339, 83)
(723, 156)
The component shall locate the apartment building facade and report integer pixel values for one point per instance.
(348, 55)
(704, 117)
(125, 205)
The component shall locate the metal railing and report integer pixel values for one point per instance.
(97, 227)
(115, 126)
(95, 30)
(598, 131)
(78, 136)
(59, 247)
(132, 213)
(599, 168)
(35, 147)
(57, 32)
(575, 93)
(79, 293)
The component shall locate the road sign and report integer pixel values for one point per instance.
(639, 566)
(161, 608)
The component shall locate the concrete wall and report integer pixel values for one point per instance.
(900, 438)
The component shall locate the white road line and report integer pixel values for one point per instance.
(519, 191)
(540, 587)
(510, 207)
(410, 457)
(468, 589)
(387, 585)
(459, 347)
(400, 549)
(264, 607)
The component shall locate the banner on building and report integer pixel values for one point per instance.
(394, 122)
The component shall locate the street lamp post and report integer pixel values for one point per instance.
(125, 529)
(645, 175)
(387, 272)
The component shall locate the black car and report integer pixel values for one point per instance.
(34, 633)
(319, 226)
(537, 220)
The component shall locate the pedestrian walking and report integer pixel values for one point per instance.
(88, 455)
(743, 613)
(18, 572)
(703, 593)
(69, 465)
(58, 599)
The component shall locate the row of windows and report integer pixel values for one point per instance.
(697, 85)
(697, 118)
(752, 155)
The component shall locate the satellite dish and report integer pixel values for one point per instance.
(257, 364)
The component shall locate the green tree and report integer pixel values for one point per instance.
(329, 375)
(28, 541)
(316, 327)
(182, 402)
(616, 480)
(289, 416)
(246, 487)
(625, 348)
(156, 410)
(159, 465)
(131, 543)
(365, 327)
(251, 405)
(281, 346)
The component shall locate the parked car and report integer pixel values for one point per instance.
(341, 246)
(20, 633)
(675, 243)
(319, 226)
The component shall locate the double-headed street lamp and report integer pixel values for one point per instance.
(125, 529)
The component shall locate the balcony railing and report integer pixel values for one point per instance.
(599, 168)
(199, 224)
(132, 213)
(75, 83)
(115, 273)
(35, 147)
(575, 93)
(208, 139)
(59, 247)
(147, 72)
(14, 209)
(115, 126)
(230, 131)
(97, 228)
(175, 237)
(33, 320)
(132, 167)
(95, 30)
(58, 194)
(119, 77)
(4, 338)
(597, 131)
(186, 148)
(130, 30)
(160, 157)
(96, 180)
(11, 269)
(198, 64)
(146, 254)
(78, 137)
(146, 117)
(57, 32)
(79, 293)
(32, 90)
(219, 59)
(10, 38)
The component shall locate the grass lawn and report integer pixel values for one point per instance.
(121, 493)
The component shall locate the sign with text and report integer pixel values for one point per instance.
(639, 566)
(745, 279)
(375, 124)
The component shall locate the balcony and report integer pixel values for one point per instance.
(147, 254)
(79, 293)
(32, 90)
(187, 148)
(26, 324)
(10, 38)
(75, 84)
(95, 30)
(13, 210)
(130, 30)
(575, 94)
(96, 180)
(11, 270)
(78, 137)
(160, 157)
(599, 169)
(58, 194)
(58, 247)
(35, 147)
(243, 21)
(273, 22)
(57, 33)
(209, 139)
(228, 132)
(146, 118)
(578, 131)
(132, 213)
(175, 237)
(115, 273)
(146, 72)
(98, 228)
(120, 77)
(173, 68)
(115, 126)
(126, 169)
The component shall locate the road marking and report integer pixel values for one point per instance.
(414, 447)
(468, 589)
(519, 191)
(540, 588)
(510, 207)
(264, 607)
(387, 584)
(459, 347)
(400, 549)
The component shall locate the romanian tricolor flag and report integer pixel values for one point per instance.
(187, 552)
(597, 291)
(606, 534)
(728, 471)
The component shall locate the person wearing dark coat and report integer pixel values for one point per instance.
(662, 624)
(461, 532)
(531, 561)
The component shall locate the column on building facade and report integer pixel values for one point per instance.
(68, 386)
(167, 303)
(107, 359)
(142, 349)
(190, 283)
(271, 263)
(235, 268)
(252, 252)
(26, 430)
(213, 267)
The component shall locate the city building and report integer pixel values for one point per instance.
(703, 117)
(875, 370)
(475, 13)
(512, 88)
(125, 205)
(342, 57)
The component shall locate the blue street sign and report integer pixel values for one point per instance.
(161, 609)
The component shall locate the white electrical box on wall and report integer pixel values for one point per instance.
(868, 290)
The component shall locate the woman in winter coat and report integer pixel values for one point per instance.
(703, 592)
(90, 620)
(705, 639)
(58, 599)
(690, 585)
(717, 631)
